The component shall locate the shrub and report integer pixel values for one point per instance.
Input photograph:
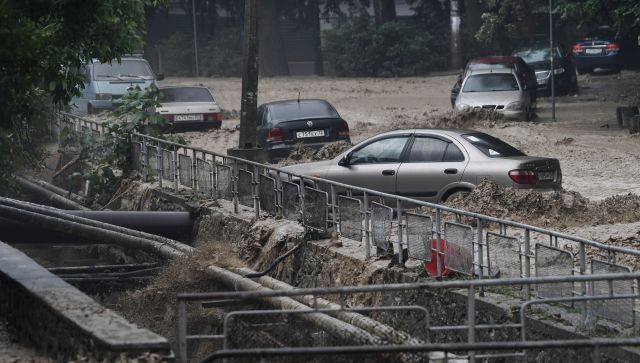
(357, 48)
(222, 56)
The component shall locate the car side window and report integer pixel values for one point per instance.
(453, 153)
(427, 149)
(386, 150)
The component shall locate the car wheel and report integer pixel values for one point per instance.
(454, 193)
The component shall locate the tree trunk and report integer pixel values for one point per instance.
(456, 59)
(314, 19)
(384, 11)
(273, 59)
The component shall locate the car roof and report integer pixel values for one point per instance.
(492, 70)
(495, 59)
(174, 87)
(448, 132)
(288, 110)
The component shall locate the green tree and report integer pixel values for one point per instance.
(41, 43)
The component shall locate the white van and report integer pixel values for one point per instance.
(106, 83)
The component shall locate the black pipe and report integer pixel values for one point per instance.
(274, 264)
(177, 225)
(100, 268)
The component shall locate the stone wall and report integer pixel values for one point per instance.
(64, 323)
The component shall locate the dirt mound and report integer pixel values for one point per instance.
(302, 154)
(558, 209)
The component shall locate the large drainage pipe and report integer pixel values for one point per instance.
(44, 211)
(95, 231)
(48, 196)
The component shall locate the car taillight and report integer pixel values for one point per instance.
(522, 176)
(613, 47)
(343, 129)
(578, 48)
(168, 117)
(274, 134)
(213, 116)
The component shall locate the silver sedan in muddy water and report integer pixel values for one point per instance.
(499, 90)
(434, 164)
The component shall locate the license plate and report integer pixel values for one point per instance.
(195, 117)
(546, 175)
(593, 51)
(314, 133)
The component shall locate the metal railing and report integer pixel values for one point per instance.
(513, 335)
(463, 241)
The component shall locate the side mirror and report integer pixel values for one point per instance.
(345, 160)
(160, 77)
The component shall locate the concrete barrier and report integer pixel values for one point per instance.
(62, 322)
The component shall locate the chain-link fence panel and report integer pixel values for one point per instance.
(224, 181)
(316, 209)
(167, 165)
(290, 201)
(621, 310)
(458, 248)
(204, 175)
(267, 194)
(245, 187)
(504, 256)
(349, 210)
(137, 156)
(152, 158)
(419, 236)
(381, 217)
(185, 172)
(551, 261)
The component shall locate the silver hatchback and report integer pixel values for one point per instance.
(434, 164)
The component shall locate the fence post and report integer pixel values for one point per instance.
(438, 244)
(255, 178)
(367, 228)
(583, 289)
(194, 170)
(471, 320)
(182, 332)
(145, 159)
(399, 219)
(304, 221)
(160, 164)
(527, 262)
(175, 167)
(481, 253)
(334, 220)
(234, 180)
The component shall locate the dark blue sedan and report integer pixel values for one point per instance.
(598, 49)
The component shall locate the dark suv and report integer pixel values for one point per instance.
(564, 69)
(282, 124)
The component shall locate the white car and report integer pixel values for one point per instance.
(189, 107)
(499, 90)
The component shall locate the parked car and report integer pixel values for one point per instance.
(189, 106)
(312, 122)
(539, 58)
(522, 69)
(598, 49)
(434, 164)
(106, 83)
(498, 90)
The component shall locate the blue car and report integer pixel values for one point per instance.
(598, 49)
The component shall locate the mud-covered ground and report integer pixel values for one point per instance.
(600, 162)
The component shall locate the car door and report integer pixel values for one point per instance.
(374, 165)
(430, 165)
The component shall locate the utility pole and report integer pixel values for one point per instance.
(552, 75)
(249, 102)
(195, 37)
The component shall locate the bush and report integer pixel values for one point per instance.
(177, 53)
(357, 48)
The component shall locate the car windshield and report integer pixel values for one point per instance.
(491, 82)
(537, 54)
(290, 111)
(185, 94)
(491, 146)
(128, 68)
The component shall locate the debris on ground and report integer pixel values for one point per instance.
(301, 153)
(556, 209)
(565, 141)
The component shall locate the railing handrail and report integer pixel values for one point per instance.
(449, 284)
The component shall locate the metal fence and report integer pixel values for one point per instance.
(254, 324)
